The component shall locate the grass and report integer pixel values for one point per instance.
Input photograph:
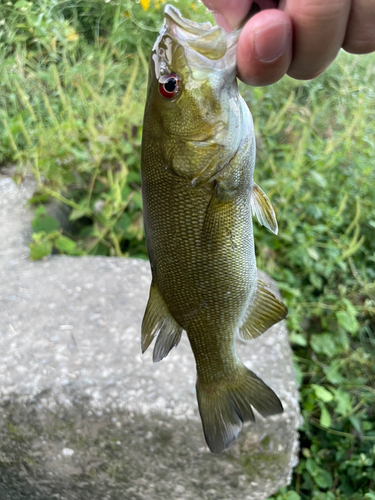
(73, 83)
(315, 161)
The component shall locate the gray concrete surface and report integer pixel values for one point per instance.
(83, 415)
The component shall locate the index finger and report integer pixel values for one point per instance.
(229, 13)
(318, 34)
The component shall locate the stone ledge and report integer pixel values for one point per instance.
(84, 415)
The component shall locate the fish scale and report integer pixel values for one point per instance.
(198, 155)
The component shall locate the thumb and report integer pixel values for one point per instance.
(264, 49)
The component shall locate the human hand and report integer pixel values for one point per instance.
(297, 37)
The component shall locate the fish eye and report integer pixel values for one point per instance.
(169, 85)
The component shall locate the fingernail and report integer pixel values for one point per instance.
(270, 42)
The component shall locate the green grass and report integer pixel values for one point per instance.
(73, 83)
(315, 160)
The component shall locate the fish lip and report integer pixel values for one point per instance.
(211, 42)
(187, 25)
(199, 29)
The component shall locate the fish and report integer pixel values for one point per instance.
(197, 164)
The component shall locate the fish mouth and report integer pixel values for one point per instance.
(209, 41)
(186, 24)
(205, 39)
(208, 49)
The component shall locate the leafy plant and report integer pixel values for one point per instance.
(74, 82)
(314, 157)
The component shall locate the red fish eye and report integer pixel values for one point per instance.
(169, 85)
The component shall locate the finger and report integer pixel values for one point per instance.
(265, 48)
(360, 33)
(229, 13)
(318, 33)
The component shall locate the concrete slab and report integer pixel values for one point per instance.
(83, 415)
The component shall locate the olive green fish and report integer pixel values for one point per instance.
(198, 154)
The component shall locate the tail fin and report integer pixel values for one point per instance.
(224, 406)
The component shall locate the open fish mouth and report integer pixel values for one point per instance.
(207, 47)
(205, 39)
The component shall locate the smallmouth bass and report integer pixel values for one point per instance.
(198, 155)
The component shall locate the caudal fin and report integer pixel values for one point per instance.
(224, 406)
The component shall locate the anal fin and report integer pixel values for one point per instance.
(263, 209)
(264, 312)
(159, 322)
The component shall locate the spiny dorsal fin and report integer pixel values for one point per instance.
(264, 312)
(158, 321)
(262, 208)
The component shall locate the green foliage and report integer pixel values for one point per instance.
(72, 88)
(315, 162)
(71, 103)
(47, 237)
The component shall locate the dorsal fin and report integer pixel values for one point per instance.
(262, 208)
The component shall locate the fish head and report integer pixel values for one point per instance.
(192, 89)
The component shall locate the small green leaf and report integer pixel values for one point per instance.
(298, 339)
(316, 281)
(311, 466)
(348, 321)
(343, 402)
(292, 495)
(137, 199)
(323, 478)
(41, 210)
(322, 393)
(21, 4)
(313, 253)
(325, 417)
(323, 343)
(343, 340)
(356, 424)
(65, 245)
(40, 249)
(333, 375)
(43, 222)
(318, 178)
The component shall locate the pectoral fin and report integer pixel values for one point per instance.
(159, 322)
(262, 208)
(264, 312)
